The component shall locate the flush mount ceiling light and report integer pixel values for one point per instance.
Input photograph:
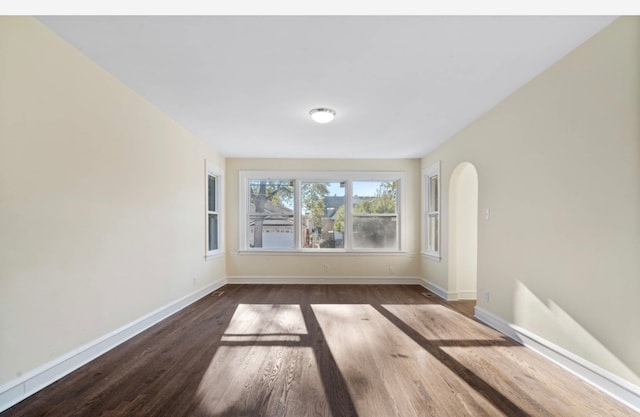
(322, 114)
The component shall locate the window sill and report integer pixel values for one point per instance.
(214, 255)
(431, 256)
(318, 252)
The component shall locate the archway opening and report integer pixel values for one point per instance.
(463, 231)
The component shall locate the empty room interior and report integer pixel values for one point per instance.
(320, 216)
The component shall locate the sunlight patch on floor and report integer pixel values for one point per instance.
(433, 321)
(270, 374)
(257, 319)
(375, 357)
(271, 380)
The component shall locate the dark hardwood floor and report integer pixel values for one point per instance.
(320, 350)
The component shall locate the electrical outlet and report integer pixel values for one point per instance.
(194, 280)
(486, 295)
(325, 267)
(487, 214)
(390, 270)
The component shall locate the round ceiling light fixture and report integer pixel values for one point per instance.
(322, 114)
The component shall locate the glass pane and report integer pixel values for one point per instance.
(212, 194)
(271, 216)
(374, 197)
(322, 214)
(433, 193)
(432, 240)
(373, 232)
(213, 232)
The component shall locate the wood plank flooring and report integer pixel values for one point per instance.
(320, 350)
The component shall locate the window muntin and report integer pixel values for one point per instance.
(213, 215)
(322, 203)
(432, 211)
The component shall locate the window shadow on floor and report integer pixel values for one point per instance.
(161, 371)
(434, 348)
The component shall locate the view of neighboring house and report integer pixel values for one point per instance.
(328, 233)
(277, 226)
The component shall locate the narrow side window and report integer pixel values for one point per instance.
(431, 178)
(213, 218)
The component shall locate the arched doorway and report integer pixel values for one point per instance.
(463, 231)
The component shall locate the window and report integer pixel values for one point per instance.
(322, 214)
(374, 213)
(213, 214)
(431, 186)
(271, 214)
(320, 211)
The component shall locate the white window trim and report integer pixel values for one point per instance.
(321, 176)
(427, 173)
(213, 172)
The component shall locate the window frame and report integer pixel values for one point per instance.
(348, 177)
(219, 184)
(427, 174)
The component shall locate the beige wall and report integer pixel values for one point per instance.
(101, 202)
(559, 168)
(342, 265)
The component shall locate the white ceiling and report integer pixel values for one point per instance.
(400, 85)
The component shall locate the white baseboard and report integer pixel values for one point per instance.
(437, 290)
(370, 280)
(466, 295)
(497, 323)
(616, 387)
(33, 381)
(602, 379)
(447, 295)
